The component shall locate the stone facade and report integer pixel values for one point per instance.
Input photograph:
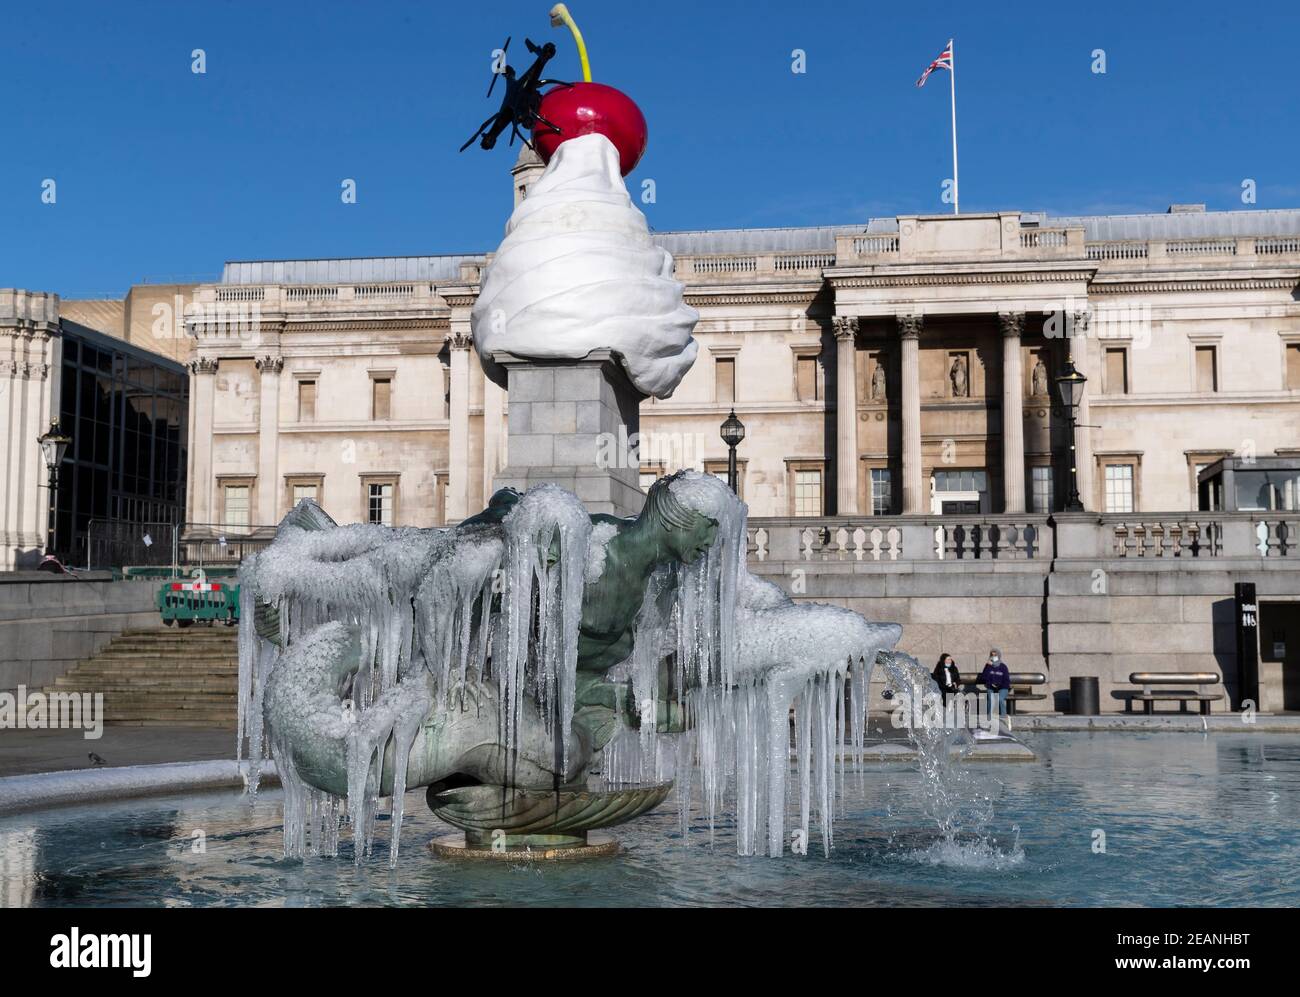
(902, 367)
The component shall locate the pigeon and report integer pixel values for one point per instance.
(96, 760)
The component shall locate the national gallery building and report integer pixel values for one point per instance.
(905, 366)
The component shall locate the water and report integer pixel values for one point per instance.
(1187, 818)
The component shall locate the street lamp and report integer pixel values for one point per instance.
(1069, 384)
(54, 444)
(733, 432)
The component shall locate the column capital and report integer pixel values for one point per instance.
(203, 365)
(459, 340)
(1080, 320)
(909, 326)
(846, 326)
(270, 364)
(1012, 323)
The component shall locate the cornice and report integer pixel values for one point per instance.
(948, 278)
(1172, 282)
(752, 294)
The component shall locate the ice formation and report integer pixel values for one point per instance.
(578, 271)
(376, 630)
(386, 639)
(745, 655)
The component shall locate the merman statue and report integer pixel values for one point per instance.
(458, 735)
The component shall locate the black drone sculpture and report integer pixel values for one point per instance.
(519, 107)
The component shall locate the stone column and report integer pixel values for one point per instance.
(10, 445)
(1013, 416)
(458, 451)
(202, 391)
(494, 403)
(1082, 435)
(846, 417)
(909, 334)
(575, 423)
(268, 441)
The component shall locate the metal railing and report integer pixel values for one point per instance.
(116, 544)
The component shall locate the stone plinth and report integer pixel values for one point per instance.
(575, 423)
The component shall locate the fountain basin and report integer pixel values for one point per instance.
(1188, 819)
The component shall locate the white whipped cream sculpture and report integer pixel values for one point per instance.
(578, 271)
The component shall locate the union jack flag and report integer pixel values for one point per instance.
(943, 62)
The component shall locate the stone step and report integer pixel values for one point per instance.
(177, 684)
(146, 656)
(163, 677)
(185, 721)
(150, 705)
(229, 647)
(146, 666)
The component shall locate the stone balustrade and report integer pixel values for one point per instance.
(885, 539)
(900, 538)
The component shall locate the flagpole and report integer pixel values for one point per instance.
(952, 84)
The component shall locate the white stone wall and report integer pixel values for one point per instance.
(29, 357)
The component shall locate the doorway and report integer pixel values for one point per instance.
(1279, 644)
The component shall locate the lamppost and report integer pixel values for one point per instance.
(54, 444)
(1069, 383)
(733, 431)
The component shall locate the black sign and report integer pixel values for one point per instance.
(1247, 629)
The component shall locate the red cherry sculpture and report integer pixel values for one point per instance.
(584, 108)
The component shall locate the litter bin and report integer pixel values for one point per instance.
(1085, 697)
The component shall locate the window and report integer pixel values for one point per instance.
(882, 492)
(238, 500)
(1116, 371)
(306, 401)
(381, 398)
(961, 480)
(718, 468)
(1207, 374)
(807, 493)
(1042, 492)
(1293, 366)
(301, 492)
(1119, 488)
(724, 380)
(380, 503)
(806, 379)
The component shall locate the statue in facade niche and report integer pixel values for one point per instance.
(878, 387)
(1038, 379)
(959, 377)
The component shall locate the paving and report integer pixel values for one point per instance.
(26, 751)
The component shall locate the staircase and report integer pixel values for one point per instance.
(163, 677)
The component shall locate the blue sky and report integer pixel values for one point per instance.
(162, 173)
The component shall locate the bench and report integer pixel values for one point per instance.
(1148, 696)
(1022, 684)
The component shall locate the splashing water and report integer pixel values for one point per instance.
(950, 793)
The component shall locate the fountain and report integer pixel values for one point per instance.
(542, 671)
